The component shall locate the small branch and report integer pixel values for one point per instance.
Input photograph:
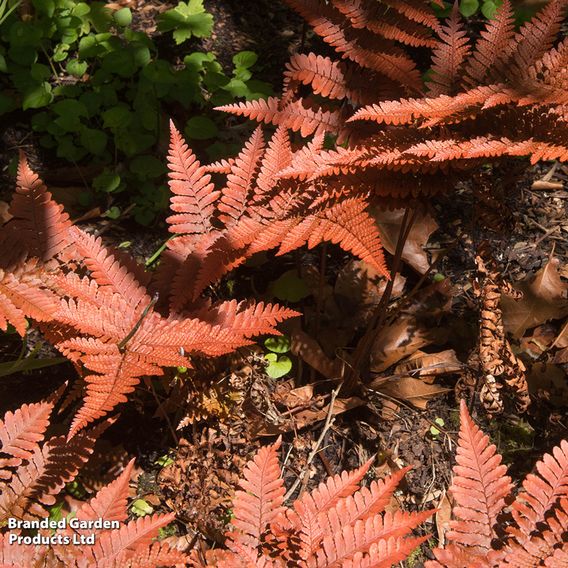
(316, 449)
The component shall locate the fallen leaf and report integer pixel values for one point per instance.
(408, 389)
(562, 339)
(5, 215)
(443, 517)
(389, 224)
(544, 298)
(540, 340)
(422, 364)
(293, 398)
(359, 287)
(400, 339)
(310, 351)
(549, 378)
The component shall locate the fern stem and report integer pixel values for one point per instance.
(376, 322)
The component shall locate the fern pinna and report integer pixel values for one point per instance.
(31, 477)
(337, 524)
(404, 138)
(487, 533)
(99, 307)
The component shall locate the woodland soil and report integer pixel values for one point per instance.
(535, 227)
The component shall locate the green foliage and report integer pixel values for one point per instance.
(278, 365)
(289, 287)
(141, 508)
(98, 91)
(187, 19)
(280, 344)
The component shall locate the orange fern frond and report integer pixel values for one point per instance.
(448, 57)
(491, 48)
(23, 294)
(110, 502)
(541, 493)
(261, 498)
(479, 487)
(194, 195)
(41, 223)
(234, 197)
(535, 527)
(347, 224)
(20, 433)
(299, 115)
(337, 524)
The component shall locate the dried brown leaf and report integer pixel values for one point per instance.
(408, 389)
(400, 339)
(544, 298)
(389, 224)
(422, 364)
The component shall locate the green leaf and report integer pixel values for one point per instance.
(187, 20)
(147, 167)
(80, 10)
(289, 287)
(112, 213)
(40, 72)
(120, 62)
(93, 140)
(37, 96)
(141, 508)
(123, 17)
(279, 344)
(3, 65)
(106, 182)
(488, 9)
(69, 113)
(201, 128)
(277, 366)
(119, 116)
(164, 461)
(144, 216)
(7, 103)
(245, 59)
(76, 68)
(468, 7)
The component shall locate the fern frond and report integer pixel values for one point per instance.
(298, 115)
(276, 158)
(448, 56)
(41, 223)
(20, 433)
(385, 553)
(110, 502)
(377, 19)
(416, 11)
(541, 493)
(360, 46)
(536, 37)
(157, 554)
(117, 546)
(479, 487)
(261, 498)
(106, 270)
(358, 538)
(194, 196)
(234, 197)
(347, 224)
(491, 48)
(23, 294)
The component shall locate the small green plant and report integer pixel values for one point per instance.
(98, 91)
(186, 20)
(279, 365)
